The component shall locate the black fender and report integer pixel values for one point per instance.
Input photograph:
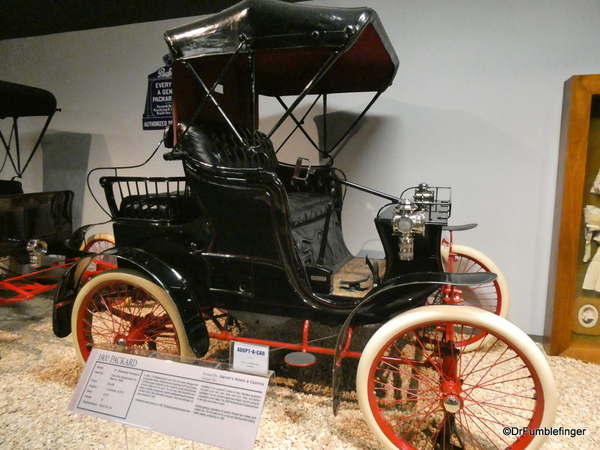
(78, 237)
(381, 296)
(163, 274)
(465, 227)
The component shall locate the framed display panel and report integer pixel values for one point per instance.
(572, 327)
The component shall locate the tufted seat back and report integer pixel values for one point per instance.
(218, 146)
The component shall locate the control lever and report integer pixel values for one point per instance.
(374, 268)
(323, 247)
(320, 276)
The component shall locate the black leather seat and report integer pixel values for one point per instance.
(307, 207)
(217, 146)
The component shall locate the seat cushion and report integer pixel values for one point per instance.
(175, 207)
(306, 207)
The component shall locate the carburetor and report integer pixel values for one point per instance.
(409, 220)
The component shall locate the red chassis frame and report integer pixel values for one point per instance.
(25, 287)
(304, 347)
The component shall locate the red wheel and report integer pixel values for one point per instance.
(119, 309)
(492, 297)
(98, 243)
(418, 390)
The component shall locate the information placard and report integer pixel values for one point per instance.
(250, 358)
(193, 402)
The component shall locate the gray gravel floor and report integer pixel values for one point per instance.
(38, 373)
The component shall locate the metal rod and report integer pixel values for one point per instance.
(368, 190)
(299, 123)
(18, 147)
(8, 144)
(226, 336)
(210, 91)
(39, 141)
(325, 151)
(307, 89)
(361, 115)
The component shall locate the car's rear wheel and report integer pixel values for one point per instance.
(120, 309)
(98, 243)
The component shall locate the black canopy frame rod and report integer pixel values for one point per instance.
(14, 134)
(246, 43)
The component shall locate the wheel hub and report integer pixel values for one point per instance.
(452, 404)
(142, 331)
(120, 343)
(451, 396)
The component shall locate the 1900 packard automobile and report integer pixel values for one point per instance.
(244, 238)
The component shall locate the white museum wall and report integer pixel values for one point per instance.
(476, 105)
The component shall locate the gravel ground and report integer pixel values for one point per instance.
(38, 373)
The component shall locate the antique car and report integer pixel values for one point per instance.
(243, 238)
(35, 225)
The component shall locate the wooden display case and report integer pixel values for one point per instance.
(572, 327)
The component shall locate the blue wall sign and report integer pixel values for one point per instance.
(158, 113)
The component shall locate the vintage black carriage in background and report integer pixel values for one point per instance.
(245, 238)
(34, 224)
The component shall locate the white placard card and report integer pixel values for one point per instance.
(202, 404)
(250, 358)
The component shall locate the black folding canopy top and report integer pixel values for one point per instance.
(285, 38)
(16, 101)
(274, 48)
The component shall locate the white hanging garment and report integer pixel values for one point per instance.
(591, 215)
(596, 185)
(591, 281)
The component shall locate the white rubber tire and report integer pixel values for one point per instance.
(97, 237)
(489, 266)
(447, 313)
(136, 279)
